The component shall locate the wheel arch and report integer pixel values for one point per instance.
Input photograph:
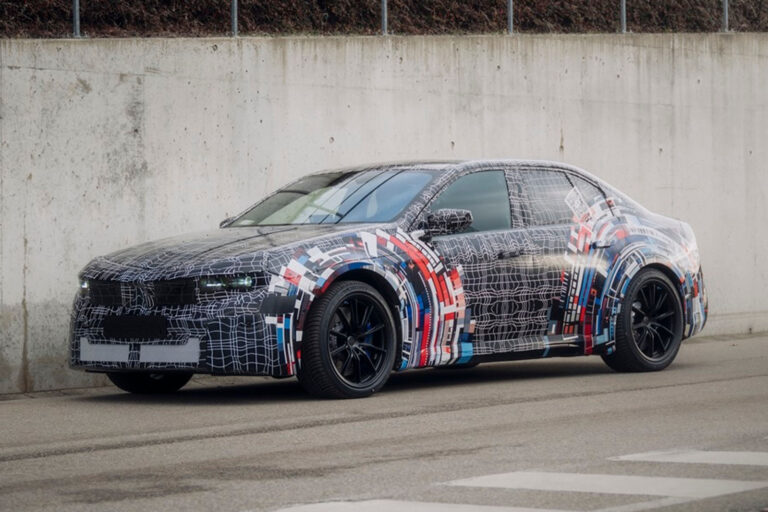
(374, 279)
(631, 265)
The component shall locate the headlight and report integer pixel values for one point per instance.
(227, 283)
(84, 287)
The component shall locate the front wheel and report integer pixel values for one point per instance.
(348, 349)
(149, 383)
(649, 328)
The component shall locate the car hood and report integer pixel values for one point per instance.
(224, 251)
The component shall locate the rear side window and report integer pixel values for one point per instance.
(484, 194)
(546, 193)
(591, 193)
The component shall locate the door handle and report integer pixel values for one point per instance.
(512, 253)
(601, 245)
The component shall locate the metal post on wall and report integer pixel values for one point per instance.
(76, 18)
(623, 16)
(384, 17)
(510, 16)
(234, 18)
(725, 15)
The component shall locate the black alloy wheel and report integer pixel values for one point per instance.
(650, 325)
(146, 383)
(349, 348)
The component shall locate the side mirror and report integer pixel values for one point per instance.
(447, 221)
(225, 222)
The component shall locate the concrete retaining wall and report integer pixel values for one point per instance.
(106, 143)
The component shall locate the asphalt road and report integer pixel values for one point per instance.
(564, 434)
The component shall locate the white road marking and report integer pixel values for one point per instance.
(646, 505)
(404, 506)
(612, 484)
(700, 457)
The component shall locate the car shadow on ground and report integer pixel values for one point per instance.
(207, 391)
(497, 372)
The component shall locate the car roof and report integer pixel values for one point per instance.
(459, 165)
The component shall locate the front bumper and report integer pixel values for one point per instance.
(234, 336)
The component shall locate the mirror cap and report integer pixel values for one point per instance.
(447, 221)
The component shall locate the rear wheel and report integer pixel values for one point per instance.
(149, 383)
(348, 349)
(650, 325)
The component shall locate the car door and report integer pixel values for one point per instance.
(564, 271)
(492, 256)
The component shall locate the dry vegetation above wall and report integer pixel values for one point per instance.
(116, 18)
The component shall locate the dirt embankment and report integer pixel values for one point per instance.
(115, 18)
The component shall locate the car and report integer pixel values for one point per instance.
(344, 276)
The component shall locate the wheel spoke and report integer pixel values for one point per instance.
(643, 341)
(345, 319)
(346, 363)
(660, 302)
(366, 316)
(660, 326)
(664, 315)
(375, 328)
(353, 316)
(338, 349)
(652, 298)
(358, 369)
(644, 299)
(371, 347)
(338, 333)
(368, 359)
(637, 309)
(661, 340)
(652, 338)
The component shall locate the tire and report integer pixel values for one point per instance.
(649, 328)
(348, 350)
(145, 383)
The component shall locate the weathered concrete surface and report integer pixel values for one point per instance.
(106, 143)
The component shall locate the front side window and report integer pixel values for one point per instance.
(337, 197)
(482, 193)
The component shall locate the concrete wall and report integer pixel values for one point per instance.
(106, 143)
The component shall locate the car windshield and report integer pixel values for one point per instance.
(330, 198)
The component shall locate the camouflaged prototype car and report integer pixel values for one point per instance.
(342, 277)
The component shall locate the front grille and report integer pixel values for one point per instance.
(175, 293)
(105, 293)
(262, 279)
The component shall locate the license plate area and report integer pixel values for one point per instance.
(135, 327)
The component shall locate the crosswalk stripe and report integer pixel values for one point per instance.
(700, 457)
(612, 484)
(405, 506)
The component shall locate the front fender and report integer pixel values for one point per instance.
(434, 322)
